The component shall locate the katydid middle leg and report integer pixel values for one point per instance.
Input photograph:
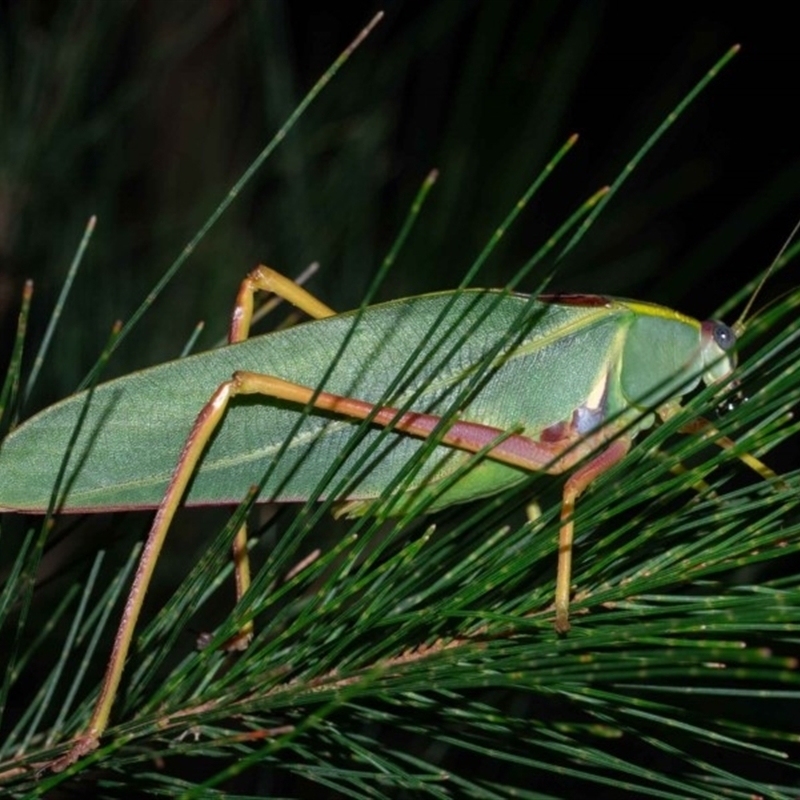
(515, 450)
(573, 488)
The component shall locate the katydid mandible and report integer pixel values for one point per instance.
(572, 391)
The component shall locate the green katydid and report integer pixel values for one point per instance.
(567, 391)
(562, 384)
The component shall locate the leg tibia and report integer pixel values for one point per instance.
(573, 488)
(205, 424)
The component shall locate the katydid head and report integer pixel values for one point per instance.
(717, 351)
(666, 355)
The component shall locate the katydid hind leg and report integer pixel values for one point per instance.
(261, 279)
(207, 421)
(241, 570)
(515, 450)
(204, 426)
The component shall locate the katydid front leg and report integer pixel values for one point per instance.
(702, 427)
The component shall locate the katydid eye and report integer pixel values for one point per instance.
(724, 336)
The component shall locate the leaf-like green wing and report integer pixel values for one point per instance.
(420, 350)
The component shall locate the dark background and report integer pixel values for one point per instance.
(145, 114)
